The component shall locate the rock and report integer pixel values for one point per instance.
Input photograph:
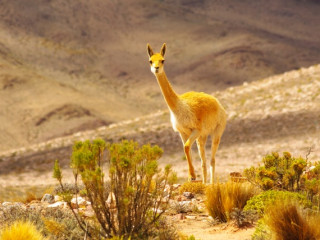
(57, 198)
(78, 202)
(48, 198)
(176, 186)
(182, 216)
(111, 200)
(191, 217)
(59, 204)
(88, 212)
(188, 195)
(167, 191)
(4, 204)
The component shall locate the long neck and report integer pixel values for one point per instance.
(168, 93)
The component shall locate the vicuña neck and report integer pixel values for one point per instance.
(168, 93)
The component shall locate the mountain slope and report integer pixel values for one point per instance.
(67, 66)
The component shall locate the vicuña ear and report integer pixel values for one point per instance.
(163, 50)
(150, 51)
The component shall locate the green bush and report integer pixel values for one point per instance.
(135, 201)
(278, 172)
(261, 201)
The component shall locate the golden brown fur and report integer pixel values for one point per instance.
(195, 115)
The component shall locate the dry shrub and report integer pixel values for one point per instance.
(222, 198)
(21, 231)
(287, 222)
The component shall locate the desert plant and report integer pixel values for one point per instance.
(243, 218)
(221, 199)
(287, 222)
(20, 230)
(136, 195)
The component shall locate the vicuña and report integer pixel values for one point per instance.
(195, 115)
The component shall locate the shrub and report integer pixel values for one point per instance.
(278, 172)
(259, 202)
(287, 222)
(221, 199)
(137, 188)
(20, 230)
(194, 187)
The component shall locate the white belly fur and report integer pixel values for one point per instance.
(173, 121)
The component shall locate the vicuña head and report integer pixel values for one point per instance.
(157, 59)
(195, 115)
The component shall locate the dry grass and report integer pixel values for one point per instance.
(194, 187)
(222, 198)
(287, 222)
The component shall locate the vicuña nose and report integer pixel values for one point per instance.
(157, 67)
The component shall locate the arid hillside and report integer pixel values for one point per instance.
(280, 113)
(68, 66)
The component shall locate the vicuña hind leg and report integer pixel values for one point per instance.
(187, 142)
(215, 144)
(201, 143)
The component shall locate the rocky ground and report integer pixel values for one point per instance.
(186, 212)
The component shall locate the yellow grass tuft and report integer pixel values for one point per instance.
(21, 231)
(222, 198)
(287, 222)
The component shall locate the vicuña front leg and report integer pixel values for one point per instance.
(187, 150)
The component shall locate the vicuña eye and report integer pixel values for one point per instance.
(162, 61)
(150, 62)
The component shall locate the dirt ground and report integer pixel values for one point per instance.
(202, 230)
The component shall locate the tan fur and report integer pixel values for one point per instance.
(195, 115)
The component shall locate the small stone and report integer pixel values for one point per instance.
(188, 195)
(57, 198)
(78, 202)
(48, 198)
(191, 217)
(111, 200)
(59, 204)
(7, 204)
(176, 186)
